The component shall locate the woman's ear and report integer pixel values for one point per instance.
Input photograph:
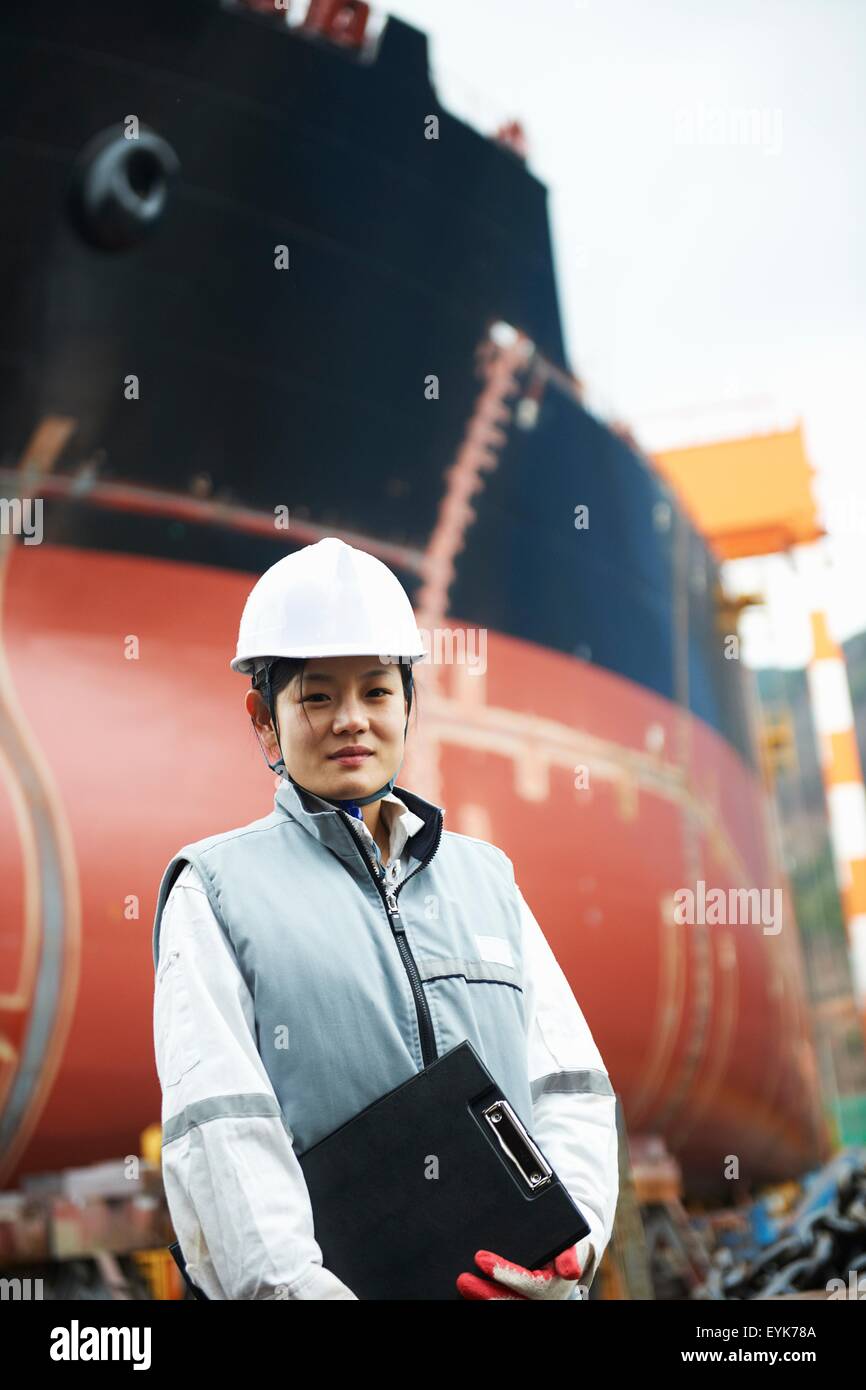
(261, 716)
(258, 710)
(252, 703)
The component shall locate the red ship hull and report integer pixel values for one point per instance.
(124, 736)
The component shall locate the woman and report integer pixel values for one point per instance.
(306, 962)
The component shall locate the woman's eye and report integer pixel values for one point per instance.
(320, 695)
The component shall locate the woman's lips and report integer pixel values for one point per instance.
(351, 759)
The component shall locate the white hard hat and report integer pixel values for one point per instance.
(328, 599)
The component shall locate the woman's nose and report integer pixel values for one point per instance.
(350, 711)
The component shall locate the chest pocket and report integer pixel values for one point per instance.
(478, 958)
(174, 1035)
(473, 978)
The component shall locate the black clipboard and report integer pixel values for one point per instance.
(405, 1192)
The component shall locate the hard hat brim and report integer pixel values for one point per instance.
(246, 665)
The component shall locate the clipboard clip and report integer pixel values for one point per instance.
(515, 1142)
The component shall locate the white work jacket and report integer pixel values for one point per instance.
(234, 1186)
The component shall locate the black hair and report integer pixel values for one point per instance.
(285, 668)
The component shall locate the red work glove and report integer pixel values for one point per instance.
(508, 1280)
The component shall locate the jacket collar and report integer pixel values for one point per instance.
(322, 820)
(400, 825)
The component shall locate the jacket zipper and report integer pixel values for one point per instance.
(429, 1052)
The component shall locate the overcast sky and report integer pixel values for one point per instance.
(710, 263)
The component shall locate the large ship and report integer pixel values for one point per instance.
(260, 287)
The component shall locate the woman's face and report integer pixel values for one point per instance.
(348, 701)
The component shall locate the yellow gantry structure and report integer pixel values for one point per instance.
(750, 496)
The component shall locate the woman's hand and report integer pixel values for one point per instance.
(508, 1280)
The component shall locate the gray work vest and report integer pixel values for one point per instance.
(358, 985)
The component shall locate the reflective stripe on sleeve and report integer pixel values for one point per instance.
(589, 1080)
(220, 1107)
